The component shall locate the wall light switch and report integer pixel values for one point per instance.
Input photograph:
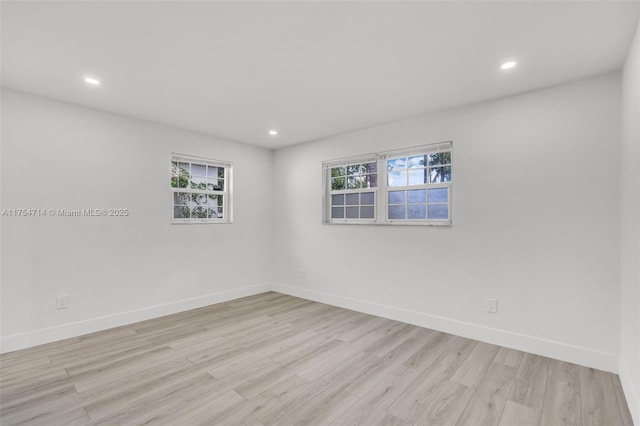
(492, 306)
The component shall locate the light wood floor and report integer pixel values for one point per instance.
(275, 359)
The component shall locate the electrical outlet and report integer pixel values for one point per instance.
(492, 306)
(62, 302)
(302, 273)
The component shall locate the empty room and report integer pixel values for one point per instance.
(320, 213)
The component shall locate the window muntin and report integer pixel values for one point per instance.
(414, 187)
(200, 190)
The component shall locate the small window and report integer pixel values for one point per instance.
(418, 187)
(410, 186)
(353, 190)
(201, 190)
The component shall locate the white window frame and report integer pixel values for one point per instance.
(328, 192)
(226, 192)
(381, 191)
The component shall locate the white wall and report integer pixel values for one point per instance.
(630, 230)
(535, 211)
(116, 269)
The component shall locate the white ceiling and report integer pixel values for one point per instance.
(309, 69)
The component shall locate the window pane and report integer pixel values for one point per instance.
(352, 199)
(352, 212)
(372, 181)
(438, 211)
(214, 200)
(175, 174)
(416, 196)
(397, 178)
(438, 195)
(371, 167)
(396, 197)
(356, 169)
(213, 213)
(212, 171)
(354, 182)
(366, 212)
(397, 163)
(199, 199)
(440, 174)
(417, 161)
(417, 211)
(215, 184)
(337, 212)
(440, 158)
(181, 198)
(181, 212)
(198, 170)
(337, 172)
(181, 176)
(337, 184)
(199, 213)
(337, 200)
(366, 198)
(396, 212)
(417, 176)
(198, 182)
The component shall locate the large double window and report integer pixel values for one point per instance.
(201, 190)
(410, 186)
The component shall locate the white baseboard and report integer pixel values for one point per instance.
(549, 348)
(45, 335)
(630, 393)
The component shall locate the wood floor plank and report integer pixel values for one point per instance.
(445, 405)
(159, 405)
(531, 381)
(270, 402)
(599, 403)
(42, 408)
(433, 383)
(374, 404)
(520, 415)
(510, 357)
(76, 417)
(274, 359)
(17, 365)
(124, 368)
(490, 397)
(622, 403)
(102, 400)
(476, 364)
(434, 345)
(563, 371)
(562, 405)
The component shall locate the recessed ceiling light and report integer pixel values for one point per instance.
(508, 65)
(92, 81)
(273, 132)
